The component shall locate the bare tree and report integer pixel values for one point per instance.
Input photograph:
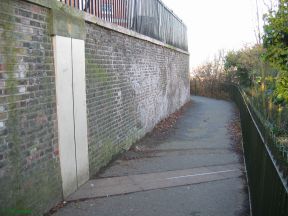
(257, 30)
(270, 4)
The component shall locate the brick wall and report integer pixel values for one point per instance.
(29, 165)
(131, 85)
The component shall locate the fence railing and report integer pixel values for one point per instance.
(268, 186)
(266, 169)
(148, 17)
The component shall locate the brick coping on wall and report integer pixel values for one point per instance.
(95, 20)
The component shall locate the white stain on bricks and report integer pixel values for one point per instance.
(2, 108)
(21, 89)
(145, 86)
(22, 69)
(156, 95)
(2, 125)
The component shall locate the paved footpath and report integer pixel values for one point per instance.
(193, 171)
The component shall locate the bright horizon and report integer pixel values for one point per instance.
(216, 25)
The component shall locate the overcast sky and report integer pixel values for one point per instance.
(216, 24)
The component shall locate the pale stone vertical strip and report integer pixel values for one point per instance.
(64, 94)
(80, 113)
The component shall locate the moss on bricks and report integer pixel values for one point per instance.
(13, 196)
(109, 150)
(39, 187)
(105, 154)
(97, 73)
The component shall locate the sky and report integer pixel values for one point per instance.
(215, 25)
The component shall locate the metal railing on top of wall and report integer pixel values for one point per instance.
(148, 17)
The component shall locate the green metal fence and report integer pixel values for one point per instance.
(267, 181)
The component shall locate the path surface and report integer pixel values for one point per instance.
(193, 171)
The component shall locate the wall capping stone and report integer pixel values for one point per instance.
(65, 22)
(95, 20)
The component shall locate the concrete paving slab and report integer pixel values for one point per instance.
(135, 183)
(192, 200)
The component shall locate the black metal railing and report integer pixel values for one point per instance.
(268, 186)
(148, 17)
(266, 166)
